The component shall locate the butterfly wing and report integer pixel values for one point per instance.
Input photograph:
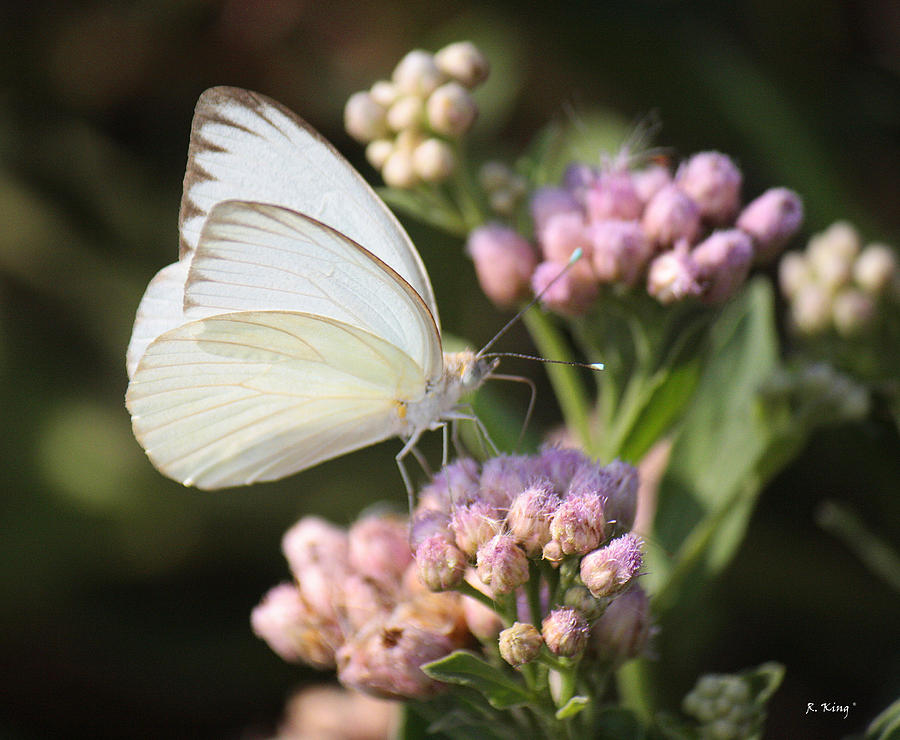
(253, 256)
(245, 146)
(258, 395)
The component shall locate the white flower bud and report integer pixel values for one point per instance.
(378, 151)
(384, 93)
(875, 268)
(451, 110)
(852, 311)
(398, 171)
(464, 62)
(406, 113)
(793, 274)
(811, 309)
(433, 160)
(364, 118)
(417, 74)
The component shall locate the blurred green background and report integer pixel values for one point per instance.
(126, 598)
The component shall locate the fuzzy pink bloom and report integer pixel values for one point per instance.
(772, 219)
(670, 216)
(714, 183)
(620, 508)
(723, 261)
(562, 234)
(474, 524)
(365, 598)
(528, 518)
(314, 540)
(570, 294)
(672, 276)
(441, 564)
(379, 547)
(578, 524)
(620, 250)
(504, 262)
(608, 571)
(613, 195)
(565, 631)
(502, 564)
(454, 484)
(650, 180)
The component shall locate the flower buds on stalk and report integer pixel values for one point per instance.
(566, 632)
(520, 644)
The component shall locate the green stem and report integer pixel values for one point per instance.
(567, 384)
(633, 681)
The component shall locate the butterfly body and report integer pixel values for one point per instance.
(298, 323)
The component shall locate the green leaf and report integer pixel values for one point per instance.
(710, 487)
(467, 669)
(886, 726)
(572, 707)
(764, 680)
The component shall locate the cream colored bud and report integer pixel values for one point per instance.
(364, 118)
(384, 93)
(494, 175)
(793, 274)
(406, 113)
(398, 171)
(811, 309)
(451, 110)
(433, 160)
(853, 312)
(875, 268)
(417, 74)
(464, 62)
(378, 151)
(503, 202)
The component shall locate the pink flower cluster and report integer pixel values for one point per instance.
(356, 604)
(364, 600)
(682, 234)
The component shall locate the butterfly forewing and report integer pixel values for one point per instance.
(245, 146)
(251, 396)
(252, 256)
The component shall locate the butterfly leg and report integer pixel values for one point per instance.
(410, 446)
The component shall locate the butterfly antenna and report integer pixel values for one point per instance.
(576, 255)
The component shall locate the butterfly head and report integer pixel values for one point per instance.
(468, 369)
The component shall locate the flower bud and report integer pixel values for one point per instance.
(379, 547)
(406, 113)
(426, 522)
(714, 183)
(454, 484)
(670, 216)
(528, 519)
(772, 219)
(364, 119)
(853, 312)
(285, 623)
(875, 269)
(417, 74)
(578, 523)
(474, 524)
(520, 644)
(433, 160)
(620, 250)
(501, 564)
(553, 553)
(441, 564)
(811, 309)
(504, 262)
(672, 276)
(378, 151)
(314, 541)
(723, 260)
(384, 93)
(398, 171)
(560, 465)
(364, 598)
(613, 195)
(577, 178)
(793, 274)
(623, 631)
(572, 294)
(562, 234)
(608, 571)
(451, 110)
(464, 62)
(622, 482)
(565, 631)
(503, 202)
(650, 180)
(547, 202)
(494, 175)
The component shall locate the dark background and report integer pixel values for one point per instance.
(126, 597)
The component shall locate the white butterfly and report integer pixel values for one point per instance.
(277, 341)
